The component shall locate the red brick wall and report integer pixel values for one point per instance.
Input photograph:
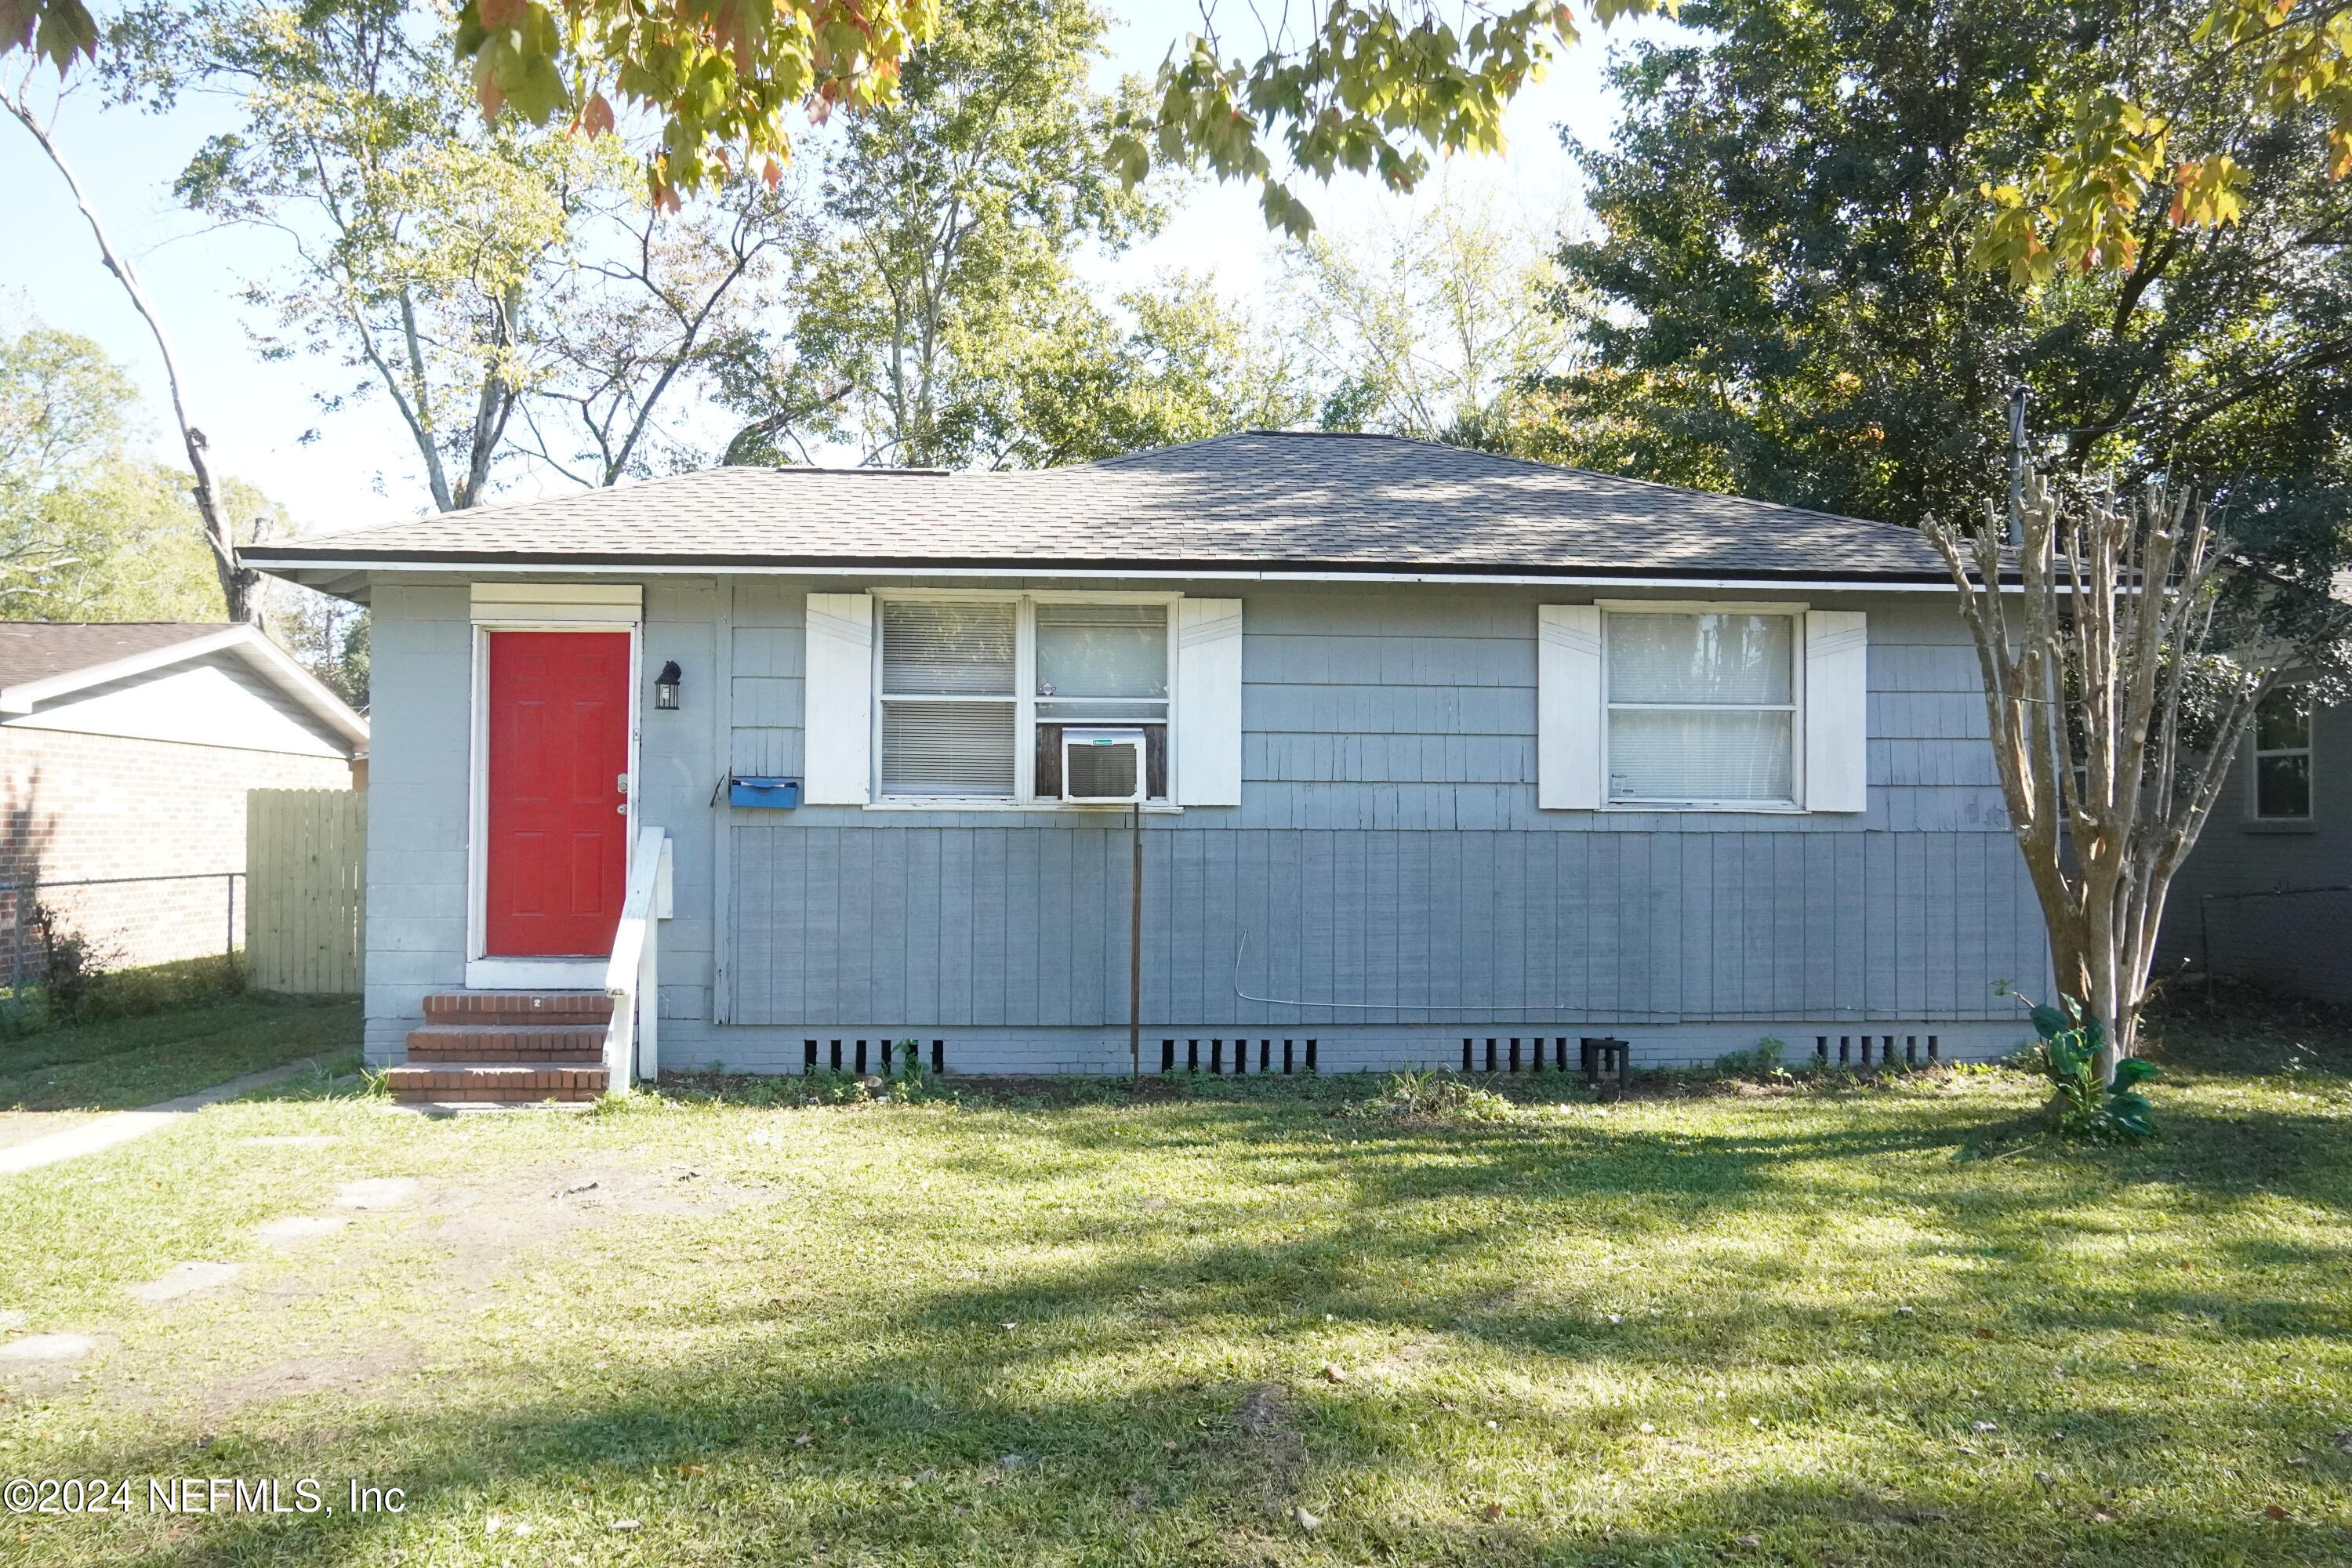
(75, 805)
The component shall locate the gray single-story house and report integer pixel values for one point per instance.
(2267, 893)
(1425, 748)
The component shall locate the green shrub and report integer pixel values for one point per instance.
(2085, 1107)
(161, 988)
(1765, 1060)
(71, 963)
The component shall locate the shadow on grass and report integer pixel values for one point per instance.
(122, 1064)
(876, 1423)
(759, 1456)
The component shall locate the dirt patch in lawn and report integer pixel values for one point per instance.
(485, 1226)
(379, 1366)
(1275, 1451)
(483, 1230)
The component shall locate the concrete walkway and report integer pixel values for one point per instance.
(124, 1125)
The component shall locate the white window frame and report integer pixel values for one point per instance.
(2255, 752)
(1795, 708)
(1025, 695)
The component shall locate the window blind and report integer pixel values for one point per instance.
(941, 650)
(1655, 754)
(962, 749)
(964, 653)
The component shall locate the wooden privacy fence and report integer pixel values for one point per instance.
(306, 890)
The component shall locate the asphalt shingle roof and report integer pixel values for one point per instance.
(1261, 500)
(37, 650)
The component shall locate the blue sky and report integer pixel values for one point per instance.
(357, 468)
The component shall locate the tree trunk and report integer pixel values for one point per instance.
(2086, 634)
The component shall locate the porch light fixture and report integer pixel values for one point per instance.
(666, 685)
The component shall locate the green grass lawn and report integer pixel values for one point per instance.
(127, 1062)
(1758, 1324)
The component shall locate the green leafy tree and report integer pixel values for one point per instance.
(1436, 327)
(2134, 161)
(1074, 384)
(1378, 86)
(90, 530)
(213, 517)
(954, 212)
(423, 241)
(1789, 309)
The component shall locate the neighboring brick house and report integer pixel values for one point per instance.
(126, 751)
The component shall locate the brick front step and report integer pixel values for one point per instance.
(507, 1042)
(543, 1007)
(508, 1081)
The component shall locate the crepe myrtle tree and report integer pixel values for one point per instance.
(2126, 642)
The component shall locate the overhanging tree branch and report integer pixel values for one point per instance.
(236, 582)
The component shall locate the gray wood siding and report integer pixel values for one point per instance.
(2297, 941)
(422, 641)
(987, 926)
(765, 686)
(1387, 862)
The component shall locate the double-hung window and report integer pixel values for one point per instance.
(2283, 756)
(976, 695)
(1702, 708)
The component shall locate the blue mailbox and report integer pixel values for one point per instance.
(766, 794)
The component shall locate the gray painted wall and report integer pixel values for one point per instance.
(2297, 941)
(1387, 886)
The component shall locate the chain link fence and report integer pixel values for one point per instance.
(124, 921)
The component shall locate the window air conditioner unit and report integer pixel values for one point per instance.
(1102, 766)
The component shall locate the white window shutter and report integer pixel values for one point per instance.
(1568, 707)
(1837, 710)
(1208, 702)
(837, 701)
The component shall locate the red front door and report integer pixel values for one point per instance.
(559, 744)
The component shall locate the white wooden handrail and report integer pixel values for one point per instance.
(632, 1041)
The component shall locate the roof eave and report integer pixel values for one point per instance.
(287, 559)
(274, 663)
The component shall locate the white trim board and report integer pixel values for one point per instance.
(1173, 573)
(554, 605)
(246, 641)
(535, 974)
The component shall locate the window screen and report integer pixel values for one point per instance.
(1702, 708)
(1102, 650)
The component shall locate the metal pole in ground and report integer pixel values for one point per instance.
(1135, 953)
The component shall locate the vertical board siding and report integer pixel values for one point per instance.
(2296, 942)
(304, 891)
(1364, 926)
